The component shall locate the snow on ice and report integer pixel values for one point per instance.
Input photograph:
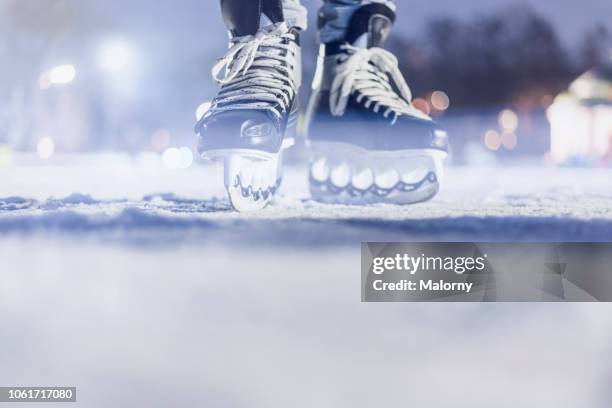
(475, 204)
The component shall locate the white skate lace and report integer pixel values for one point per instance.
(367, 70)
(258, 72)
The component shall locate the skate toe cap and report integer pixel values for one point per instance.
(241, 129)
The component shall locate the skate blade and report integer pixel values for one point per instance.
(345, 174)
(251, 177)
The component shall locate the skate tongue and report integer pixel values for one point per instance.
(264, 21)
(370, 26)
(247, 17)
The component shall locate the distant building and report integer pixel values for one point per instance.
(581, 119)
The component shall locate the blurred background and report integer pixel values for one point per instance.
(512, 82)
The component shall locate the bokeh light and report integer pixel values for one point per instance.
(45, 148)
(508, 121)
(60, 75)
(177, 158)
(63, 74)
(422, 105)
(440, 101)
(115, 56)
(492, 139)
(6, 155)
(186, 157)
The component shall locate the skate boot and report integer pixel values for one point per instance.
(252, 118)
(369, 144)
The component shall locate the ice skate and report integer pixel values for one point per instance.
(252, 119)
(368, 142)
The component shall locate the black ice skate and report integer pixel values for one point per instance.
(252, 119)
(369, 143)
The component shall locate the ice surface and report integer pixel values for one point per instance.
(475, 204)
(143, 289)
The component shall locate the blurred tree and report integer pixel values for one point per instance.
(493, 60)
(596, 47)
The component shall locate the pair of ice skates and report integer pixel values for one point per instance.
(368, 143)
